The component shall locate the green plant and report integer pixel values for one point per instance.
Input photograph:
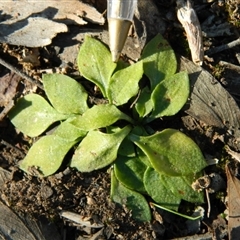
(162, 165)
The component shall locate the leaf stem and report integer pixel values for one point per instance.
(176, 213)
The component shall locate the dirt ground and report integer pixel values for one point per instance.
(46, 200)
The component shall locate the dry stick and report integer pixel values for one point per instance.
(6, 110)
(238, 57)
(230, 66)
(204, 236)
(13, 147)
(223, 47)
(208, 203)
(20, 73)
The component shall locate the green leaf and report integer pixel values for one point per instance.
(124, 84)
(121, 64)
(99, 116)
(159, 60)
(97, 150)
(171, 152)
(181, 187)
(127, 148)
(158, 192)
(95, 63)
(170, 95)
(144, 104)
(69, 132)
(65, 94)
(130, 171)
(143, 157)
(132, 200)
(46, 155)
(32, 115)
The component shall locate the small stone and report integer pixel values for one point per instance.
(46, 192)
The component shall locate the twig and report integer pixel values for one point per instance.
(234, 155)
(230, 66)
(135, 101)
(12, 147)
(6, 110)
(238, 57)
(205, 236)
(76, 218)
(208, 203)
(223, 47)
(20, 73)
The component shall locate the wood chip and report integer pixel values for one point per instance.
(15, 227)
(189, 20)
(35, 23)
(233, 188)
(211, 103)
(8, 87)
(59, 10)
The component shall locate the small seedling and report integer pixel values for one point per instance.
(118, 131)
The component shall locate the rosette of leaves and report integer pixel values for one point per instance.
(162, 165)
